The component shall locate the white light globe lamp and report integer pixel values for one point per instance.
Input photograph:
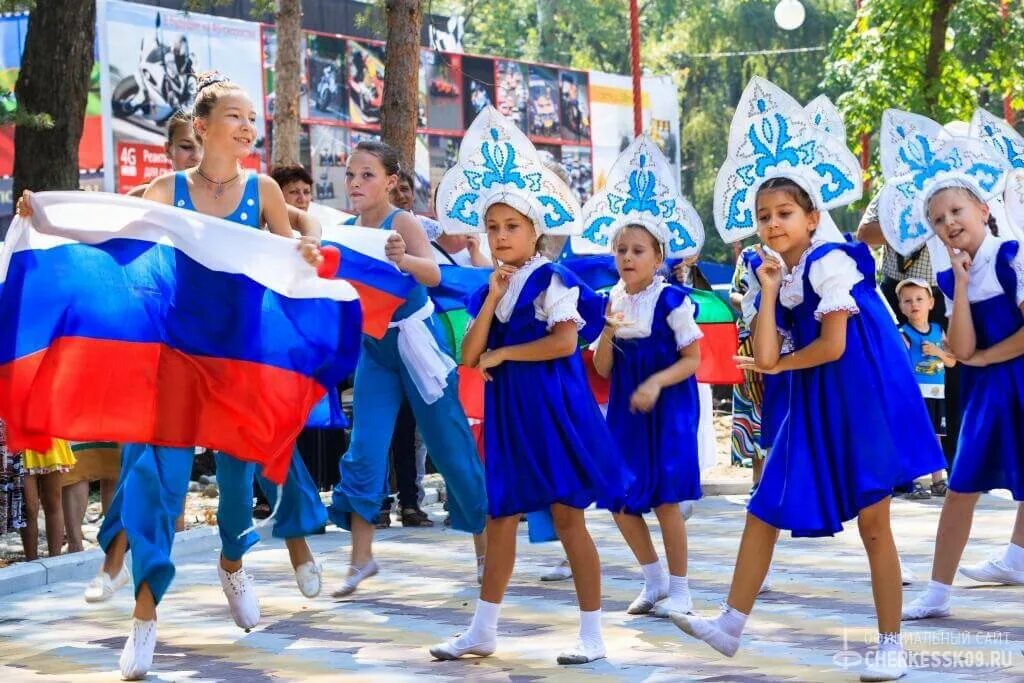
(790, 14)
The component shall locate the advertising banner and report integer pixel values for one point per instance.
(153, 58)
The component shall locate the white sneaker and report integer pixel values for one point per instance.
(888, 665)
(137, 655)
(906, 576)
(706, 630)
(665, 607)
(454, 649)
(308, 576)
(644, 603)
(102, 587)
(559, 572)
(994, 570)
(353, 580)
(919, 609)
(240, 590)
(583, 652)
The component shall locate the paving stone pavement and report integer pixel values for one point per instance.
(819, 616)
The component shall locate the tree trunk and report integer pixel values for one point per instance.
(933, 60)
(401, 79)
(287, 80)
(58, 52)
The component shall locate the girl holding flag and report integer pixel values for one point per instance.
(649, 349)
(153, 489)
(407, 363)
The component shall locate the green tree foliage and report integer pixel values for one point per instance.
(879, 61)
(683, 38)
(942, 58)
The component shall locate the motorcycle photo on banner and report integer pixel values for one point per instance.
(153, 57)
(164, 80)
(326, 65)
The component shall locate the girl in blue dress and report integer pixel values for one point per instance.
(981, 274)
(849, 368)
(649, 350)
(546, 443)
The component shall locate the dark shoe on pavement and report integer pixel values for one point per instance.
(415, 517)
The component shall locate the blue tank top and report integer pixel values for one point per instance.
(928, 369)
(246, 213)
(418, 296)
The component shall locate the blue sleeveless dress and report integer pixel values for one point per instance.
(854, 428)
(301, 512)
(990, 452)
(382, 382)
(545, 439)
(659, 447)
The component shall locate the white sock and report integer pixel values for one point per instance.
(890, 641)
(731, 621)
(936, 594)
(678, 587)
(590, 627)
(484, 626)
(1014, 557)
(654, 580)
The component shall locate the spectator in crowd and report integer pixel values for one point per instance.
(895, 269)
(929, 354)
(43, 488)
(12, 488)
(746, 397)
(296, 183)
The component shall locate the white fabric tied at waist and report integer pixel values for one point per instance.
(428, 366)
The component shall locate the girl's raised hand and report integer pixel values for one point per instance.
(961, 262)
(616, 321)
(500, 278)
(309, 248)
(24, 207)
(769, 273)
(394, 249)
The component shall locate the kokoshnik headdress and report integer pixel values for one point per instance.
(641, 190)
(772, 136)
(499, 164)
(1008, 144)
(919, 158)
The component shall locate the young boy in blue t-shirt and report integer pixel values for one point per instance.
(926, 344)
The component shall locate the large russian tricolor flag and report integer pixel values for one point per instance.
(381, 285)
(124, 320)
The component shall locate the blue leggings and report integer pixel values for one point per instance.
(381, 383)
(301, 512)
(149, 498)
